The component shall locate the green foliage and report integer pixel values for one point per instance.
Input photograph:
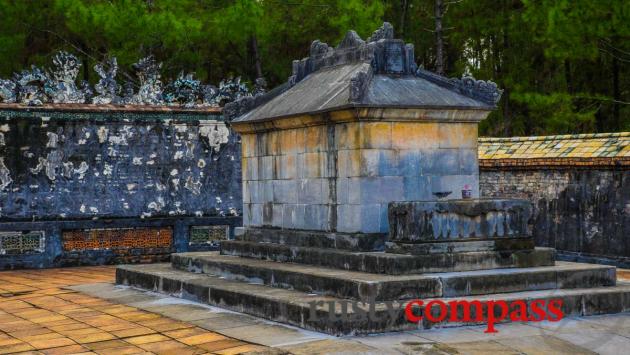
(564, 64)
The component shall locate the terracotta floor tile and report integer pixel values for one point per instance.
(164, 347)
(14, 348)
(70, 349)
(221, 345)
(51, 343)
(145, 339)
(201, 338)
(168, 326)
(9, 341)
(108, 344)
(241, 349)
(83, 331)
(36, 306)
(121, 350)
(182, 333)
(29, 332)
(72, 326)
(48, 319)
(45, 336)
(120, 326)
(92, 338)
(125, 333)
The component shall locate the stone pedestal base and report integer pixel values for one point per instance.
(504, 245)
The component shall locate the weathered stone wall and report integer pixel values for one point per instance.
(341, 176)
(584, 213)
(66, 171)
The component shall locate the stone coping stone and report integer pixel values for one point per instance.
(431, 221)
(294, 307)
(381, 287)
(388, 263)
(502, 244)
(315, 239)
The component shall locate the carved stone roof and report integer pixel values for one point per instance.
(379, 72)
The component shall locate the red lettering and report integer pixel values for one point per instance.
(554, 307)
(492, 318)
(466, 311)
(409, 311)
(443, 311)
(537, 310)
(519, 311)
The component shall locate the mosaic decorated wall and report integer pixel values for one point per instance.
(87, 185)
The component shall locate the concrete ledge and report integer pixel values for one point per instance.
(315, 239)
(503, 244)
(387, 263)
(293, 307)
(365, 287)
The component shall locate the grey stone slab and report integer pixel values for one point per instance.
(381, 189)
(431, 221)
(285, 191)
(410, 162)
(390, 263)
(252, 168)
(286, 166)
(316, 239)
(255, 192)
(417, 188)
(270, 334)
(310, 191)
(371, 218)
(468, 162)
(294, 307)
(330, 346)
(440, 162)
(348, 218)
(266, 168)
(277, 215)
(316, 217)
(544, 344)
(450, 335)
(256, 214)
(225, 321)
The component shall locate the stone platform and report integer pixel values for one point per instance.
(284, 292)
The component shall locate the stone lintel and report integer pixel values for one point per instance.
(433, 114)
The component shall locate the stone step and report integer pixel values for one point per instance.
(325, 313)
(388, 263)
(313, 239)
(380, 287)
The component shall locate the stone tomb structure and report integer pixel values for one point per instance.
(360, 184)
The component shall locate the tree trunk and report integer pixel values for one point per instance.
(616, 94)
(256, 52)
(403, 16)
(567, 76)
(439, 37)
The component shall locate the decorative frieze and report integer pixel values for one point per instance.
(200, 235)
(115, 239)
(19, 243)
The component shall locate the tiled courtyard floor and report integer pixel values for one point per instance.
(79, 310)
(39, 314)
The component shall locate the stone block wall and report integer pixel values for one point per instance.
(582, 211)
(100, 184)
(340, 177)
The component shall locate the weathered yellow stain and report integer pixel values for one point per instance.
(376, 135)
(415, 135)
